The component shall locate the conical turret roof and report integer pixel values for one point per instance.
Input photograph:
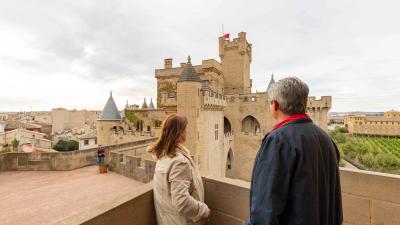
(110, 110)
(189, 73)
(271, 82)
(151, 104)
(144, 105)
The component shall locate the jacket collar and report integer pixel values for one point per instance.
(291, 122)
(185, 152)
(290, 119)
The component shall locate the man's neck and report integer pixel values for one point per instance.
(282, 117)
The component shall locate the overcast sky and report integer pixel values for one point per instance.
(72, 53)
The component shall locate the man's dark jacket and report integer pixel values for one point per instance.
(296, 178)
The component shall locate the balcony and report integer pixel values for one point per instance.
(369, 198)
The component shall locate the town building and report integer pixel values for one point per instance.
(386, 125)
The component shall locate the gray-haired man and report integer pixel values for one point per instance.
(295, 177)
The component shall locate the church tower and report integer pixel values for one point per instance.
(188, 103)
(235, 59)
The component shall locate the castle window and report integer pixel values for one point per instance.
(253, 99)
(216, 131)
(171, 94)
(86, 142)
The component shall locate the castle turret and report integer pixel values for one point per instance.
(127, 105)
(235, 59)
(107, 120)
(144, 105)
(188, 103)
(271, 82)
(151, 104)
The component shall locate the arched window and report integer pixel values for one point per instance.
(250, 125)
(227, 125)
(229, 164)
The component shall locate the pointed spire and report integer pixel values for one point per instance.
(144, 105)
(127, 105)
(151, 104)
(110, 110)
(189, 72)
(271, 82)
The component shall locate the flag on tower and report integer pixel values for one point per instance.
(226, 35)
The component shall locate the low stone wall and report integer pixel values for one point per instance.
(59, 160)
(369, 198)
(3, 162)
(50, 161)
(132, 166)
(136, 208)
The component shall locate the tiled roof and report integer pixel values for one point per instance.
(151, 105)
(189, 73)
(110, 111)
(271, 82)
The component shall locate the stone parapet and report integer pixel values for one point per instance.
(323, 102)
(369, 198)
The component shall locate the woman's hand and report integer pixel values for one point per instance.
(206, 218)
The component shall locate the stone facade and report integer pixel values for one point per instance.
(25, 136)
(226, 120)
(386, 125)
(67, 119)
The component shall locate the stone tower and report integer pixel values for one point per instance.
(106, 123)
(188, 103)
(235, 59)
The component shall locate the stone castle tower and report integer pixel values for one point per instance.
(235, 60)
(226, 120)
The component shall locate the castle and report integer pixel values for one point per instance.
(386, 125)
(226, 120)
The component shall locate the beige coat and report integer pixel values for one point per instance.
(178, 190)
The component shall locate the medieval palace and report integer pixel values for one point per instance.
(226, 120)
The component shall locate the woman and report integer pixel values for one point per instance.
(178, 188)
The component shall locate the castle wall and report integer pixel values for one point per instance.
(65, 119)
(211, 142)
(387, 125)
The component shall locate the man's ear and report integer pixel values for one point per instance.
(275, 105)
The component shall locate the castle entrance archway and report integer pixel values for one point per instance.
(250, 125)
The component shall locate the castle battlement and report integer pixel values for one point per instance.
(239, 44)
(169, 71)
(211, 98)
(323, 102)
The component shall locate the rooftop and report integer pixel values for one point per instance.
(46, 197)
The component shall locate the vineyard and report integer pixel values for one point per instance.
(370, 153)
(390, 146)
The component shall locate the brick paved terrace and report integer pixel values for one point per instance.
(47, 197)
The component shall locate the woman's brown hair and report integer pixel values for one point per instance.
(171, 135)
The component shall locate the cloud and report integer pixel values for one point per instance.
(347, 49)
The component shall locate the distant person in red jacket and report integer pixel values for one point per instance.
(101, 154)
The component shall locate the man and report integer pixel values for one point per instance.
(100, 154)
(295, 177)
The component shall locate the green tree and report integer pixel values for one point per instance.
(15, 144)
(70, 145)
(131, 117)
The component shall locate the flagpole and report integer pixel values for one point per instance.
(222, 29)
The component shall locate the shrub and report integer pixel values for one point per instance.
(69, 145)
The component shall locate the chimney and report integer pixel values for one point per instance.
(168, 63)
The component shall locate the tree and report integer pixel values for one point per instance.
(15, 144)
(69, 145)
